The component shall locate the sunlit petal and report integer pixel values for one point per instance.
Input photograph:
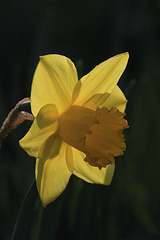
(89, 173)
(102, 79)
(46, 146)
(53, 82)
(96, 100)
(44, 125)
(52, 173)
(116, 99)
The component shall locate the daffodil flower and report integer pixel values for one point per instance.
(78, 124)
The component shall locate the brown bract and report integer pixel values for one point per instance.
(15, 118)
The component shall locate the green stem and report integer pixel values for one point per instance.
(27, 204)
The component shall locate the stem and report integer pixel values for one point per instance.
(27, 204)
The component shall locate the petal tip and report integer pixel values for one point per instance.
(20, 144)
(41, 58)
(126, 55)
(123, 58)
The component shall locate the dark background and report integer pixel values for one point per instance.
(88, 32)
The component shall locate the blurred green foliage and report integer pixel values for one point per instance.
(88, 32)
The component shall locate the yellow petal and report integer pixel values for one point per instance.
(46, 146)
(53, 82)
(44, 125)
(89, 173)
(116, 99)
(96, 100)
(52, 173)
(102, 79)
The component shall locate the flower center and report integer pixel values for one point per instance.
(96, 133)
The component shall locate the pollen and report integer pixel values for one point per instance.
(99, 134)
